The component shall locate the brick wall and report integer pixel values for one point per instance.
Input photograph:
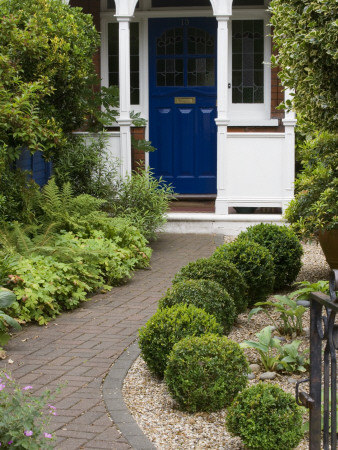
(138, 156)
(91, 7)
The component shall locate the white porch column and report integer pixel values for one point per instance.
(289, 154)
(124, 77)
(222, 120)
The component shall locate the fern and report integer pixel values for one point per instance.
(24, 239)
(51, 202)
(67, 196)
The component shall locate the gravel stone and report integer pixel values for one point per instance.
(251, 376)
(255, 368)
(171, 429)
(268, 376)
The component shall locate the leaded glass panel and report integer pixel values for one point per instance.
(170, 42)
(113, 59)
(201, 72)
(200, 42)
(247, 61)
(170, 72)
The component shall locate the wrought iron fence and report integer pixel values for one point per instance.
(323, 369)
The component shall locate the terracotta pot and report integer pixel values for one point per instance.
(329, 242)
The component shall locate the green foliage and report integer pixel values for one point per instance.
(315, 206)
(303, 293)
(24, 417)
(305, 33)
(59, 275)
(221, 271)
(87, 166)
(168, 326)
(205, 373)
(265, 346)
(255, 264)
(290, 360)
(7, 298)
(47, 54)
(284, 248)
(290, 314)
(16, 190)
(205, 294)
(144, 200)
(275, 356)
(265, 418)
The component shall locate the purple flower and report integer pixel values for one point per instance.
(47, 435)
(28, 433)
(7, 376)
(27, 387)
(10, 442)
(2, 386)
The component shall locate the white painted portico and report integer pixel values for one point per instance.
(253, 168)
(255, 147)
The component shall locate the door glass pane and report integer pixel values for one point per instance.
(247, 61)
(200, 42)
(201, 72)
(170, 42)
(169, 72)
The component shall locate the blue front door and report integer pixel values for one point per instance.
(182, 79)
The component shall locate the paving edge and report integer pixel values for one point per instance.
(113, 397)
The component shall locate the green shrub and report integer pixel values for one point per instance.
(221, 271)
(205, 373)
(59, 275)
(284, 248)
(266, 418)
(205, 294)
(144, 200)
(168, 326)
(255, 264)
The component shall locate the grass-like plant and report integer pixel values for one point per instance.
(290, 314)
(275, 356)
(267, 346)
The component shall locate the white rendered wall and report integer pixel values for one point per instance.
(256, 170)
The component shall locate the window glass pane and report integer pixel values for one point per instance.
(247, 61)
(113, 59)
(171, 3)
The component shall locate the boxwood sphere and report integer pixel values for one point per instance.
(168, 326)
(205, 294)
(284, 247)
(223, 272)
(255, 264)
(205, 373)
(266, 418)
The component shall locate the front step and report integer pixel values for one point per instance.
(227, 224)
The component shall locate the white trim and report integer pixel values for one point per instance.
(253, 123)
(256, 135)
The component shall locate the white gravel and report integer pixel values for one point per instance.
(168, 428)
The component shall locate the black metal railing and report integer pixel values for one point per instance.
(322, 399)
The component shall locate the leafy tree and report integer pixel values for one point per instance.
(306, 36)
(46, 73)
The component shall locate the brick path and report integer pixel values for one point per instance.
(79, 347)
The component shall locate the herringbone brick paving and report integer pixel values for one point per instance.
(79, 347)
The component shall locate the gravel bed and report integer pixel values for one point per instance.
(169, 428)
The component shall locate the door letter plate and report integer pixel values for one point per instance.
(185, 100)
